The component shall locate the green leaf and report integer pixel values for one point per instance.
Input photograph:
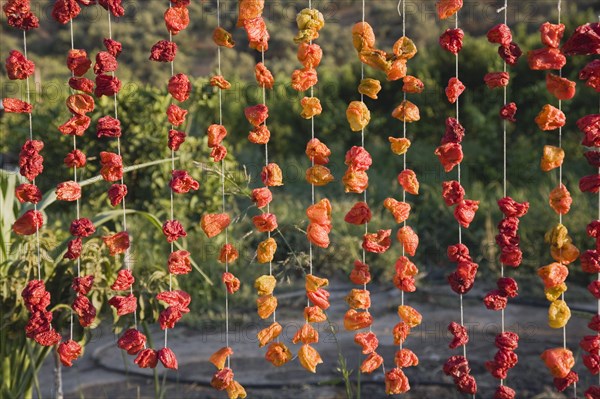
(50, 196)
(104, 217)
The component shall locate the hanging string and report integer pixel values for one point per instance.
(171, 196)
(77, 202)
(598, 276)
(28, 97)
(560, 180)
(126, 256)
(462, 312)
(505, 168)
(220, 92)
(264, 101)
(312, 186)
(403, 15)
(362, 140)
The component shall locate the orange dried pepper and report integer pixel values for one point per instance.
(309, 358)
(223, 38)
(449, 155)
(368, 341)
(400, 332)
(454, 89)
(231, 282)
(396, 71)
(409, 315)
(359, 299)
(319, 298)
(306, 334)
(552, 158)
(406, 358)
(396, 382)
(355, 181)
(550, 118)
(560, 200)
(235, 390)
(318, 152)
(309, 55)
(400, 210)
(214, 223)
(355, 320)
(447, 8)
(220, 356)
(267, 335)
(311, 106)
(313, 283)
(258, 35)
(266, 305)
(404, 48)
(176, 19)
(412, 85)
(559, 87)
(371, 363)
(266, 250)
(409, 240)
(266, 222)
(80, 104)
(314, 314)
(360, 274)
(409, 182)
(320, 213)
(265, 285)
(264, 77)
(369, 87)
(363, 36)
(405, 268)
(271, 175)
(259, 135)
(249, 9)
(559, 361)
(318, 235)
(278, 354)
(377, 242)
(358, 115)
(215, 134)
(220, 82)
(319, 175)
(565, 255)
(407, 112)
(553, 274)
(399, 146)
(304, 79)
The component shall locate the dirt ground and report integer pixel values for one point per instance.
(105, 373)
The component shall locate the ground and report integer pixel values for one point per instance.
(105, 373)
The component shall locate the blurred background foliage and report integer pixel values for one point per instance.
(142, 105)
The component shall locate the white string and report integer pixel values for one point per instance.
(402, 13)
(598, 276)
(312, 164)
(127, 257)
(77, 201)
(264, 101)
(28, 96)
(223, 190)
(462, 312)
(505, 167)
(362, 140)
(171, 196)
